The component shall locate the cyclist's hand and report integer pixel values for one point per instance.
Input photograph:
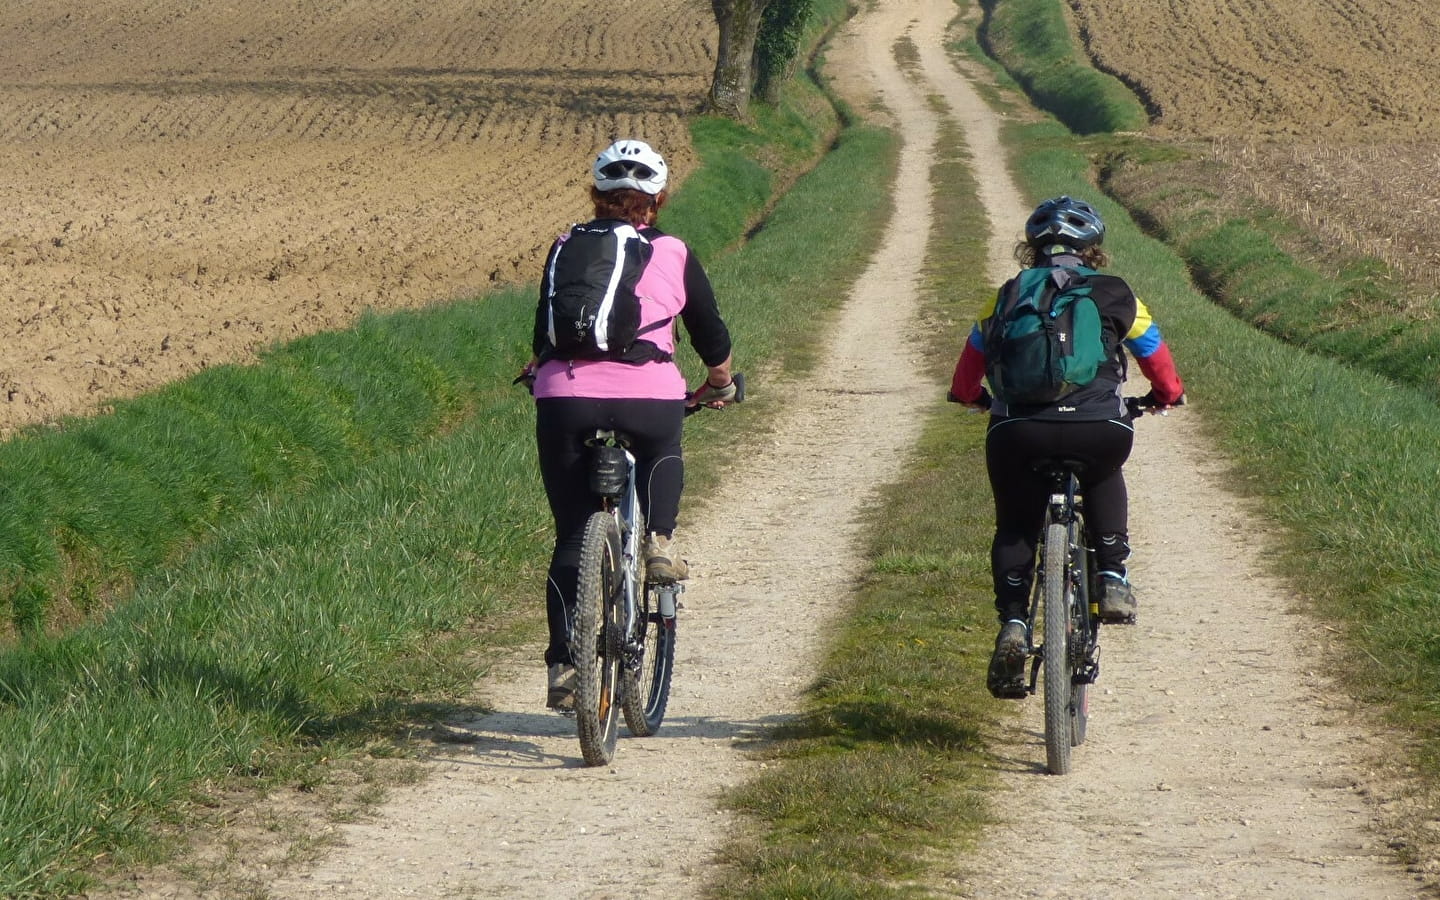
(1150, 401)
(527, 377)
(979, 404)
(710, 395)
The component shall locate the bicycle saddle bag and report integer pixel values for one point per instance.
(608, 470)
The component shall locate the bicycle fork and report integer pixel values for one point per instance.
(1084, 613)
(666, 595)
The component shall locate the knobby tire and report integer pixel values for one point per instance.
(596, 640)
(1057, 670)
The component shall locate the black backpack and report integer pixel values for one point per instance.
(591, 309)
(1045, 338)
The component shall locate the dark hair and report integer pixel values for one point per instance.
(1093, 257)
(627, 204)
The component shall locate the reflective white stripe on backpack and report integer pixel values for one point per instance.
(550, 280)
(623, 234)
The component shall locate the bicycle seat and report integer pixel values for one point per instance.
(605, 437)
(1061, 465)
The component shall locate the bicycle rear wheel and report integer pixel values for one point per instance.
(1056, 652)
(596, 640)
(645, 691)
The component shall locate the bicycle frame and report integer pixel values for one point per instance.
(625, 508)
(1062, 603)
(622, 634)
(626, 511)
(1067, 508)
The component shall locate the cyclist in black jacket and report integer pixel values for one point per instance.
(1091, 424)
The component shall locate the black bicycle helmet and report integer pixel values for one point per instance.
(1064, 220)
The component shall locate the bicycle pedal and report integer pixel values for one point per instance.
(1009, 690)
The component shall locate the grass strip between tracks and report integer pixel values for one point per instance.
(885, 770)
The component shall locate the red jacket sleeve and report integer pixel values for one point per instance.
(1159, 369)
(969, 371)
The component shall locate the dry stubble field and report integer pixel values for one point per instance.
(1323, 109)
(188, 181)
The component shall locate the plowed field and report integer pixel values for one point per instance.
(1343, 70)
(187, 181)
(1323, 109)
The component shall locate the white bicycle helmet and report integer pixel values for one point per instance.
(1063, 220)
(631, 164)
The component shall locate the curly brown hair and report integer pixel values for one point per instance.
(1094, 257)
(636, 207)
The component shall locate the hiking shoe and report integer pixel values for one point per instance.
(663, 564)
(561, 693)
(1006, 679)
(1117, 600)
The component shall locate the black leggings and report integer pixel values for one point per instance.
(1012, 447)
(562, 425)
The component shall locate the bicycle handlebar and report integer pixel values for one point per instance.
(1135, 407)
(1138, 406)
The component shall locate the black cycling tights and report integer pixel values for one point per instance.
(562, 425)
(1012, 447)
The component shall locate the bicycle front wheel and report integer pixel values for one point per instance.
(596, 640)
(646, 689)
(1058, 682)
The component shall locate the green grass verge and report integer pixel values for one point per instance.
(88, 504)
(1032, 39)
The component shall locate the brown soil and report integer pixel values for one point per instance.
(187, 183)
(1344, 70)
(1324, 110)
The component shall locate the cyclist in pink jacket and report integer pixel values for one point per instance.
(645, 399)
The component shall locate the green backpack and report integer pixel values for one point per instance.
(1044, 339)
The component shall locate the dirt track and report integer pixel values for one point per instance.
(1219, 764)
(186, 183)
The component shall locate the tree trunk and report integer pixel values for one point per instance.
(778, 46)
(739, 22)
